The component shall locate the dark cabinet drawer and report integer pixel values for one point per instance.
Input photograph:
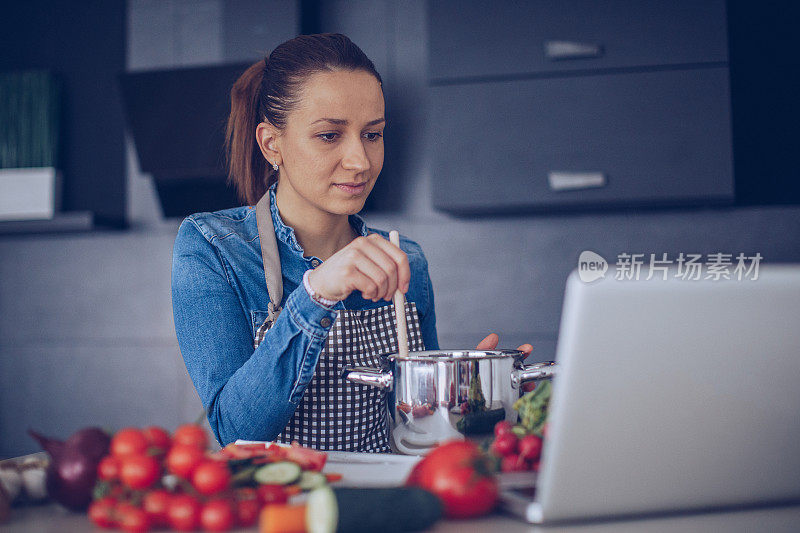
(470, 38)
(651, 138)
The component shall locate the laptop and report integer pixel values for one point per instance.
(673, 395)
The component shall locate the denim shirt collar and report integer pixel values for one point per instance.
(286, 234)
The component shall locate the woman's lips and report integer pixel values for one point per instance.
(352, 188)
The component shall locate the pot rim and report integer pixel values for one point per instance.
(434, 356)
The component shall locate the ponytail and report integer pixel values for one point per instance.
(248, 170)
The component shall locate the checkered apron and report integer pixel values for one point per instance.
(336, 414)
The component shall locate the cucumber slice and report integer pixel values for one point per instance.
(322, 511)
(312, 480)
(280, 473)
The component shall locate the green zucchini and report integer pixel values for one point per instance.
(312, 480)
(280, 473)
(480, 422)
(389, 510)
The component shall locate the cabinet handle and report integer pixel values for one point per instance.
(558, 50)
(570, 181)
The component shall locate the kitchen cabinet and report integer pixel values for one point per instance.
(649, 137)
(543, 106)
(467, 40)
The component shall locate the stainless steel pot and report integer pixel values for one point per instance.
(441, 395)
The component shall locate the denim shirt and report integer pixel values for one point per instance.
(219, 299)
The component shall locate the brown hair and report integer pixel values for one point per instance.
(268, 90)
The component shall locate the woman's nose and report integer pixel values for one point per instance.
(355, 156)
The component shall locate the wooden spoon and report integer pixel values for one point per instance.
(400, 309)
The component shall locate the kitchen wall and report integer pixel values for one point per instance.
(86, 333)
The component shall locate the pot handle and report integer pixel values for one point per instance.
(534, 372)
(369, 376)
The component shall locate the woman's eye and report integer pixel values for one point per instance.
(373, 135)
(328, 137)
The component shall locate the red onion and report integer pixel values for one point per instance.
(73, 470)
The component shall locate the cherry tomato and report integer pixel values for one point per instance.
(453, 472)
(502, 427)
(191, 435)
(218, 515)
(128, 441)
(530, 447)
(504, 444)
(157, 437)
(101, 512)
(108, 468)
(247, 512)
(182, 459)
(139, 471)
(211, 477)
(131, 518)
(183, 512)
(155, 503)
(269, 494)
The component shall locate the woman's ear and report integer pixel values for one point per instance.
(267, 139)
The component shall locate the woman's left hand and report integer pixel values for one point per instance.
(491, 341)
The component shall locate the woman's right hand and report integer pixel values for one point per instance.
(369, 264)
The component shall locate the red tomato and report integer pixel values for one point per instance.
(530, 447)
(191, 435)
(139, 471)
(504, 444)
(307, 458)
(101, 512)
(108, 468)
(502, 427)
(269, 494)
(155, 503)
(218, 515)
(128, 441)
(247, 512)
(131, 518)
(182, 459)
(183, 512)
(157, 437)
(453, 471)
(211, 477)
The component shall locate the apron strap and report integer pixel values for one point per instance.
(269, 254)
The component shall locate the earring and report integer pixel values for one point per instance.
(274, 166)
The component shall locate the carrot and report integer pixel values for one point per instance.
(333, 477)
(282, 519)
(292, 490)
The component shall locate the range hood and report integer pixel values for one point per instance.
(177, 119)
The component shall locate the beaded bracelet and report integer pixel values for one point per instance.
(314, 296)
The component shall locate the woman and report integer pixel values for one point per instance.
(305, 144)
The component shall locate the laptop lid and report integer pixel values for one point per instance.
(673, 395)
